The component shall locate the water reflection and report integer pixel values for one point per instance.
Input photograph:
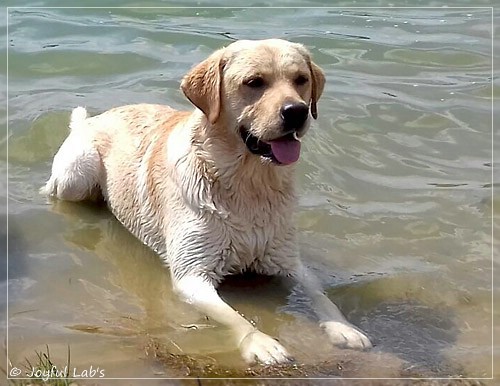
(415, 330)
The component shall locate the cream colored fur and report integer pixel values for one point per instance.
(186, 185)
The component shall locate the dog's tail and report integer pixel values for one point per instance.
(78, 115)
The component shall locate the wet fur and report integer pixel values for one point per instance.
(185, 184)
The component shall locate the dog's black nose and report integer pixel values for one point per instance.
(294, 115)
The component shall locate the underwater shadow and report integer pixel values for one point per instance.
(415, 330)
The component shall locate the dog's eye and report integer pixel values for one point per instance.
(301, 80)
(255, 82)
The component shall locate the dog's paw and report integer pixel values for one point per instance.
(345, 335)
(259, 347)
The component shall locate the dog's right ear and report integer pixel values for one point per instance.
(202, 85)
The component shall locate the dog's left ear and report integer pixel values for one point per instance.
(202, 85)
(317, 79)
(318, 83)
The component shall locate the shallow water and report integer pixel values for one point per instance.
(395, 181)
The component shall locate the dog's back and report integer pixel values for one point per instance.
(113, 156)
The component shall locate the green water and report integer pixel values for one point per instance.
(395, 182)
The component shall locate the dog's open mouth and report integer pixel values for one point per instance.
(284, 150)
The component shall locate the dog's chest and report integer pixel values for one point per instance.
(254, 233)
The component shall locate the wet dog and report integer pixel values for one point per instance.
(211, 190)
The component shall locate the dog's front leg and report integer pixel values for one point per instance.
(340, 331)
(253, 344)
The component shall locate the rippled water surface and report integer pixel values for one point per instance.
(395, 182)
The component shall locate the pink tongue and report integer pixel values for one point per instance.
(286, 150)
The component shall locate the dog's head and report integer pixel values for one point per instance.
(263, 92)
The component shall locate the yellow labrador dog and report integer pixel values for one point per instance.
(211, 190)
